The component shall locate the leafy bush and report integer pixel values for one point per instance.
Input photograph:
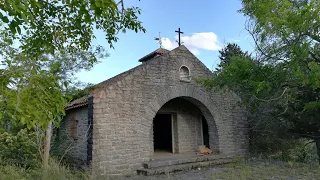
(13, 173)
(19, 149)
(296, 150)
(304, 151)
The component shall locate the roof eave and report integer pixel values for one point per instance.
(148, 57)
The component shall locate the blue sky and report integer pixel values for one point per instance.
(207, 26)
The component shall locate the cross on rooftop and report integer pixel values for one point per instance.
(179, 32)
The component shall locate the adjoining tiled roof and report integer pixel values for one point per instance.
(83, 101)
(151, 55)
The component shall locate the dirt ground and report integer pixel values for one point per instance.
(257, 170)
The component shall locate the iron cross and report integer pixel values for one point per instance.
(179, 32)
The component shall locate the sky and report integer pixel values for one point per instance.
(207, 25)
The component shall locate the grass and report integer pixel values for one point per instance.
(55, 172)
(266, 170)
(241, 170)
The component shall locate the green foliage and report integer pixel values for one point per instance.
(34, 91)
(43, 44)
(18, 149)
(79, 90)
(286, 87)
(48, 26)
(250, 79)
(227, 53)
(9, 172)
(275, 148)
(55, 172)
(280, 108)
(288, 31)
(304, 151)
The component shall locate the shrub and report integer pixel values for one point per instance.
(304, 151)
(18, 149)
(61, 172)
(296, 150)
(9, 172)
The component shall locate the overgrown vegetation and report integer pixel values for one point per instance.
(55, 172)
(280, 84)
(43, 43)
(253, 169)
(19, 149)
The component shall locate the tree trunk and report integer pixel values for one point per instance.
(47, 145)
(318, 148)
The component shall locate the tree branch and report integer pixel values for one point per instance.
(273, 99)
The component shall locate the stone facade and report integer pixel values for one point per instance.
(124, 108)
(72, 135)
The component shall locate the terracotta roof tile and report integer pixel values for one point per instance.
(83, 101)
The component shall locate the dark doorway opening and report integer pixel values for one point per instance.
(205, 132)
(162, 133)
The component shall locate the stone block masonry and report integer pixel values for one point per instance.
(72, 135)
(124, 108)
(119, 114)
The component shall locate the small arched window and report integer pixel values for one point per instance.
(184, 74)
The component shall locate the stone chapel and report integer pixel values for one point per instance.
(153, 116)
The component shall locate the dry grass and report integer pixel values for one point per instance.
(242, 170)
(267, 170)
(55, 172)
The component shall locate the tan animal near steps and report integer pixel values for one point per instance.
(204, 150)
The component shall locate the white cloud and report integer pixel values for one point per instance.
(196, 42)
(167, 44)
(235, 40)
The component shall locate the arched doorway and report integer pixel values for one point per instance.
(181, 126)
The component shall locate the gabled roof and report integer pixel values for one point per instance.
(83, 101)
(153, 54)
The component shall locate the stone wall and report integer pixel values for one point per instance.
(125, 106)
(187, 124)
(74, 139)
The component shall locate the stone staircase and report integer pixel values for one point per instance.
(163, 166)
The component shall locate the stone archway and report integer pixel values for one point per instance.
(197, 96)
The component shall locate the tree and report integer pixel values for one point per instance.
(226, 54)
(52, 37)
(47, 26)
(285, 80)
(288, 31)
(33, 90)
(35, 94)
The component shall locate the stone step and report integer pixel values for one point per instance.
(169, 162)
(183, 167)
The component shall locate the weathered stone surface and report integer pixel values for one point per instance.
(125, 105)
(183, 167)
(183, 159)
(64, 142)
(131, 105)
